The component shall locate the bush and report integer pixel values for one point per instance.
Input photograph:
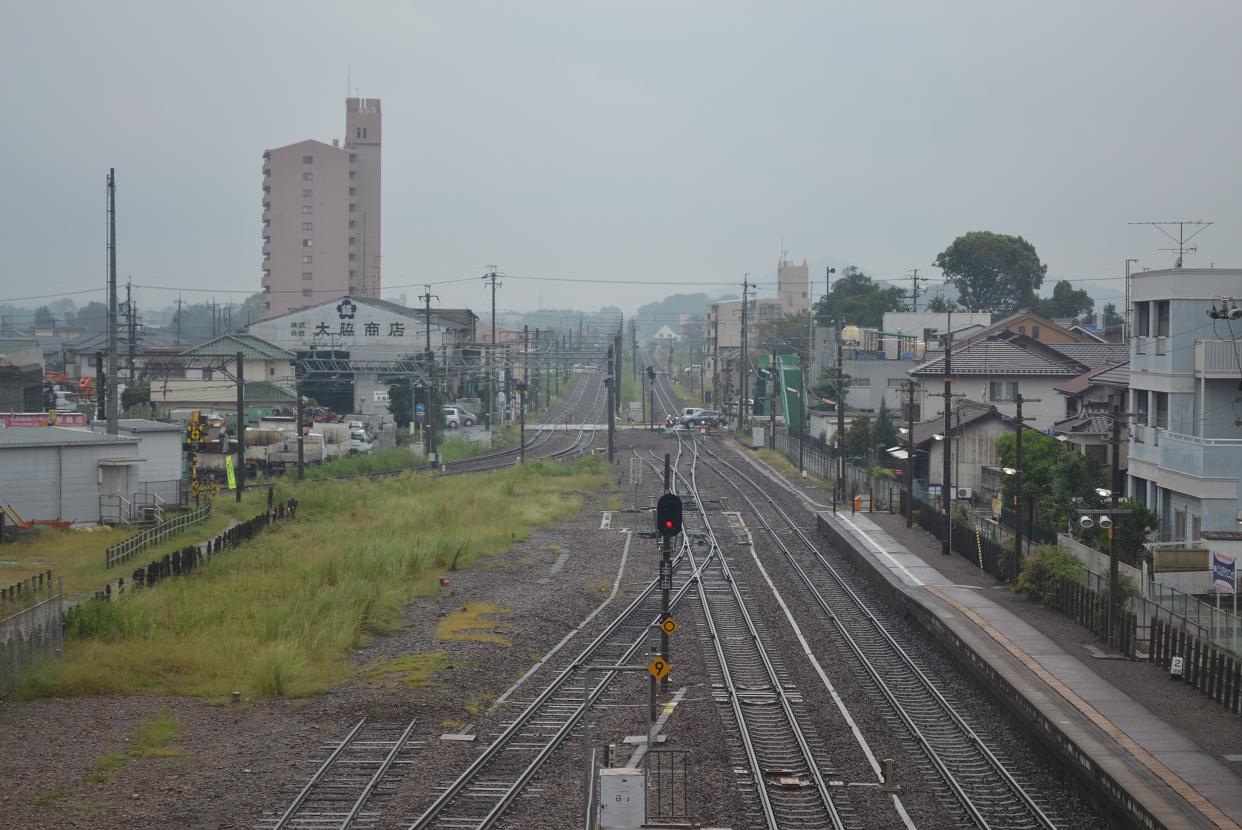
(1041, 574)
(92, 619)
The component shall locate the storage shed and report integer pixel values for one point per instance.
(70, 475)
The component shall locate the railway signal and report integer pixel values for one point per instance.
(668, 515)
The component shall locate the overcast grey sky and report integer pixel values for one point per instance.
(665, 141)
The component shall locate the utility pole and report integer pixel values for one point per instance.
(241, 427)
(1015, 567)
(716, 362)
(839, 487)
(743, 370)
(914, 292)
(538, 379)
(491, 372)
(1125, 315)
(101, 388)
(131, 328)
(909, 453)
(297, 387)
(946, 489)
(666, 566)
(617, 370)
(611, 382)
(634, 346)
(1117, 416)
(772, 404)
(431, 377)
(178, 341)
(111, 403)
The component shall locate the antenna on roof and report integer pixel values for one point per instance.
(1181, 239)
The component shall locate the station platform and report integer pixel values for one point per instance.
(1130, 758)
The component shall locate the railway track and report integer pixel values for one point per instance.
(353, 774)
(976, 784)
(480, 796)
(787, 767)
(547, 433)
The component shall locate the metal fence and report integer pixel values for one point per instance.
(30, 637)
(814, 460)
(122, 551)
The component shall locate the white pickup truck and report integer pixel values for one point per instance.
(360, 442)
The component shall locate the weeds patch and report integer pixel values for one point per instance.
(411, 670)
(281, 615)
(50, 798)
(153, 742)
(477, 622)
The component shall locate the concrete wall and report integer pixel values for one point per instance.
(363, 126)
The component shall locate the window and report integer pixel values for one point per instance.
(1179, 524)
(1196, 525)
(353, 156)
(306, 292)
(1071, 407)
(267, 306)
(308, 209)
(353, 240)
(306, 226)
(1022, 329)
(351, 257)
(860, 381)
(308, 176)
(351, 224)
(307, 193)
(895, 383)
(1142, 316)
(1002, 391)
(308, 275)
(267, 171)
(308, 243)
(1035, 331)
(352, 206)
(307, 260)
(1162, 411)
(267, 289)
(352, 273)
(1140, 407)
(308, 159)
(1162, 318)
(360, 132)
(353, 191)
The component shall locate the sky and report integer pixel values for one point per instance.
(627, 150)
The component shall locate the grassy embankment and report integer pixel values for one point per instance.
(77, 556)
(281, 616)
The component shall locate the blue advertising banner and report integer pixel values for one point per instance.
(1224, 572)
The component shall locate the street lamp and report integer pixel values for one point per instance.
(1017, 521)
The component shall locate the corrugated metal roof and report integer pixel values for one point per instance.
(57, 437)
(228, 345)
(1108, 376)
(262, 390)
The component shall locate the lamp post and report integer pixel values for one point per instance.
(1017, 513)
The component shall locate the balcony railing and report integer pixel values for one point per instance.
(1217, 358)
(1204, 442)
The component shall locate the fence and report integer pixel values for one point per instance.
(183, 561)
(24, 592)
(125, 549)
(968, 542)
(1206, 667)
(30, 637)
(815, 460)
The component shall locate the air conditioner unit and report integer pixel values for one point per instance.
(964, 492)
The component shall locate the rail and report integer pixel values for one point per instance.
(125, 549)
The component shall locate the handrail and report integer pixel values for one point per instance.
(126, 548)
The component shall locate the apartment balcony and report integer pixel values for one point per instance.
(1217, 359)
(1189, 455)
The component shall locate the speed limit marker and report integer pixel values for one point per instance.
(668, 625)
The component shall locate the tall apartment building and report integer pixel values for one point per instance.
(1186, 433)
(793, 287)
(321, 216)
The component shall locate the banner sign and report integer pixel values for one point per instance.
(228, 469)
(42, 419)
(1224, 572)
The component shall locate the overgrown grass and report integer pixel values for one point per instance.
(77, 556)
(456, 448)
(280, 616)
(394, 460)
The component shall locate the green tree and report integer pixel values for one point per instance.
(139, 393)
(43, 318)
(1066, 301)
(92, 317)
(992, 271)
(786, 334)
(1054, 473)
(1131, 525)
(827, 388)
(938, 304)
(856, 299)
(399, 402)
(1111, 317)
(884, 431)
(858, 438)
